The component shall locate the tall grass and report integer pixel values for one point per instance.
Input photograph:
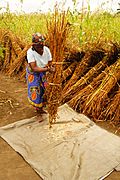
(23, 25)
(86, 29)
(102, 27)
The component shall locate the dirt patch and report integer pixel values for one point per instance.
(14, 106)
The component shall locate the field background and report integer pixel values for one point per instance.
(87, 28)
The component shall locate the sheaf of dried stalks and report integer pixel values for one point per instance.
(58, 29)
(90, 75)
(81, 69)
(77, 102)
(18, 61)
(14, 53)
(69, 71)
(112, 111)
(95, 103)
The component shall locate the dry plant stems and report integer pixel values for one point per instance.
(7, 55)
(81, 96)
(14, 41)
(85, 80)
(95, 103)
(23, 72)
(58, 29)
(79, 71)
(112, 111)
(72, 55)
(18, 61)
(14, 55)
(6, 43)
(3, 34)
(68, 71)
(20, 42)
(88, 77)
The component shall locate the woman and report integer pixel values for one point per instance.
(39, 61)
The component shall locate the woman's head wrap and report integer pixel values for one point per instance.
(38, 38)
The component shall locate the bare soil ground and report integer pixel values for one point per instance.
(14, 106)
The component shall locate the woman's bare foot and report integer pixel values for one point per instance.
(41, 111)
(40, 118)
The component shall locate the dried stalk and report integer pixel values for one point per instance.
(82, 68)
(92, 73)
(57, 34)
(96, 101)
(85, 80)
(18, 61)
(112, 111)
(15, 45)
(81, 96)
(7, 55)
(69, 70)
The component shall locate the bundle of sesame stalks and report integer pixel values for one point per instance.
(89, 76)
(58, 30)
(92, 99)
(112, 111)
(97, 99)
(14, 62)
(82, 68)
(67, 72)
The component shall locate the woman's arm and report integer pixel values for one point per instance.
(36, 68)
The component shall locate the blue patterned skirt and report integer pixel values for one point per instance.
(36, 87)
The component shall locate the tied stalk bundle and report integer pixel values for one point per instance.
(58, 29)
(112, 111)
(19, 61)
(95, 103)
(82, 68)
(78, 100)
(79, 70)
(84, 80)
(14, 54)
(91, 74)
(67, 72)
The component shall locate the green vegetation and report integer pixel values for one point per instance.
(86, 29)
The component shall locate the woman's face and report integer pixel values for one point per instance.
(39, 47)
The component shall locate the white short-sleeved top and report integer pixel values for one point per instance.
(41, 60)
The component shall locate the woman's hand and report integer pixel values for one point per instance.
(51, 68)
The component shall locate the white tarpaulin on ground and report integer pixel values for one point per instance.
(73, 149)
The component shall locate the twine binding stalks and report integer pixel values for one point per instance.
(97, 100)
(69, 70)
(81, 69)
(18, 61)
(77, 102)
(58, 29)
(14, 53)
(113, 110)
(89, 76)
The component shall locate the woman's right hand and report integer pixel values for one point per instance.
(51, 68)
